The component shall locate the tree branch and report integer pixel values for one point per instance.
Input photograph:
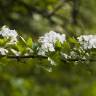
(22, 57)
(70, 60)
(75, 11)
(58, 7)
(45, 57)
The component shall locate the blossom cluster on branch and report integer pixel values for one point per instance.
(87, 41)
(49, 45)
(48, 41)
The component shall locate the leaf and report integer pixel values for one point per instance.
(58, 44)
(21, 47)
(72, 40)
(22, 40)
(66, 47)
(34, 47)
(29, 42)
(3, 42)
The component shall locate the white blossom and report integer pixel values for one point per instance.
(9, 34)
(65, 55)
(52, 37)
(51, 61)
(48, 69)
(87, 41)
(3, 51)
(48, 42)
(41, 52)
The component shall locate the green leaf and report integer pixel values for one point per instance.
(66, 47)
(58, 44)
(22, 41)
(72, 40)
(3, 42)
(21, 47)
(29, 42)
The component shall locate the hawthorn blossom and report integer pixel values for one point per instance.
(64, 55)
(52, 37)
(45, 48)
(87, 41)
(51, 61)
(48, 42)
(3, 51)
(9, 34)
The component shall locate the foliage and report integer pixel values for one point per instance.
(69, 69)
(58, 53)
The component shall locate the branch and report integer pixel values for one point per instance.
(45, 57)
(29, 56)
(91, 60)
(58, 7)
(75, 11)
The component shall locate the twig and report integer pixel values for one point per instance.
(45, 57)
(58, 7)
(29, 56)
(91, 60)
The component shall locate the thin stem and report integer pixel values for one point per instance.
(29, 56)
(45, 57)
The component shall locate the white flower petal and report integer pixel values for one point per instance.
(87, 41)
(3, 51)
(9, 34)
(48, 41)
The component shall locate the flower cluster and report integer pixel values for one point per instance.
(9, 34)
(3, 51)
(87, 41)
(48, 41)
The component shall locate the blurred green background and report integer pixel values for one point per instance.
(34, 18)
